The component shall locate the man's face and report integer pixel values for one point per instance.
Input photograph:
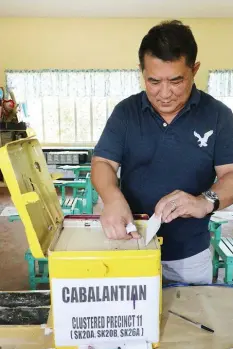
(168, 84)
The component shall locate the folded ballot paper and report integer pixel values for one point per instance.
(153, 225)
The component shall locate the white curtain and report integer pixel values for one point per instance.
(71, 106)
(220, 86)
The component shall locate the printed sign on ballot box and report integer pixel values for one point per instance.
(88, 311)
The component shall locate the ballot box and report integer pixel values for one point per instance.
(104, 293)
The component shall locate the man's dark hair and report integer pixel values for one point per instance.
(169, 41)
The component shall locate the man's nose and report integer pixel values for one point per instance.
(165, 91)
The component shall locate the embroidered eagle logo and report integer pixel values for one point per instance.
(202, 142)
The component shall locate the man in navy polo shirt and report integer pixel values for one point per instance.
(171, 142)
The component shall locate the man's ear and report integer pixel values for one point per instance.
(196, 68)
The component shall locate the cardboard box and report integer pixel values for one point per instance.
(102, 291)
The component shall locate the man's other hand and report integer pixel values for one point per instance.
(181, 204)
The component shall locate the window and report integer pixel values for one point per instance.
(70, 107)
(220, 86)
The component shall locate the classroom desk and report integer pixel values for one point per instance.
(210, 305)
(76, 169)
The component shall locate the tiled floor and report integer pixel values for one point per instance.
(13, 244)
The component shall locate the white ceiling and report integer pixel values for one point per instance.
(117, 8)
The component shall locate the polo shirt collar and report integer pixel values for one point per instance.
(193, 99)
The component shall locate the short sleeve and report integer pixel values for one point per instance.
(223, 154)
(112, 140)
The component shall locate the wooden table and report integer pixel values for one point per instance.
(210, 305)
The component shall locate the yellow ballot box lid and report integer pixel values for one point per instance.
(25, 172)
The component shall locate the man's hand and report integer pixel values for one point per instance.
(181, 204)
(116, 214)
(115, 217)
